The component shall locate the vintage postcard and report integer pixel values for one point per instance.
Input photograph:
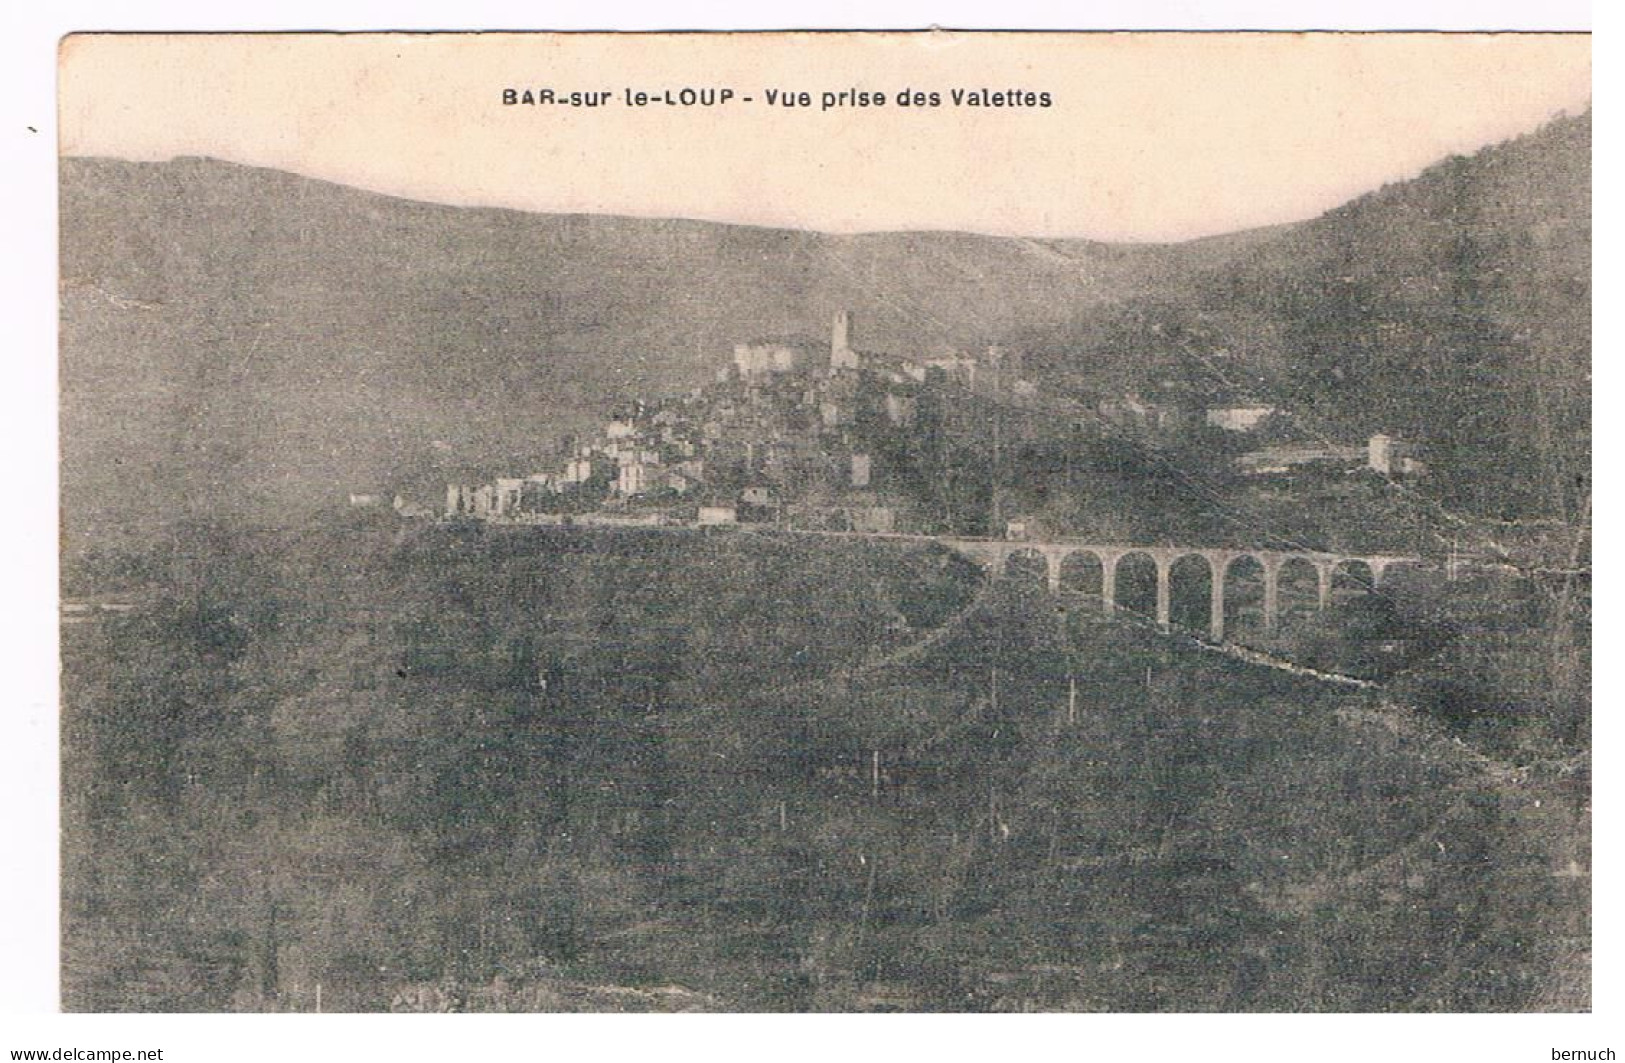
(826, 522)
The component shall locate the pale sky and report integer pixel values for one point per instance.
(1150, 137)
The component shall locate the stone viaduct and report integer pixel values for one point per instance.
(1001, 557)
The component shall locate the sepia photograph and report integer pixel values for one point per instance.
(912, 522)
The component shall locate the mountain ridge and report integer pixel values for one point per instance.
(246, 343)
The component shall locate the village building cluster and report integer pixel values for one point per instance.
(786, 431)
(798, 433)
(1275, 447)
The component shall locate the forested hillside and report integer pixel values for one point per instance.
(1453, 309)
(557, 770)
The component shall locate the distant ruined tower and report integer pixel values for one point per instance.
(841, 354)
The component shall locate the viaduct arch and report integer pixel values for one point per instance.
(1016, 557)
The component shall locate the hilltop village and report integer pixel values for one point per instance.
(839, 438)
